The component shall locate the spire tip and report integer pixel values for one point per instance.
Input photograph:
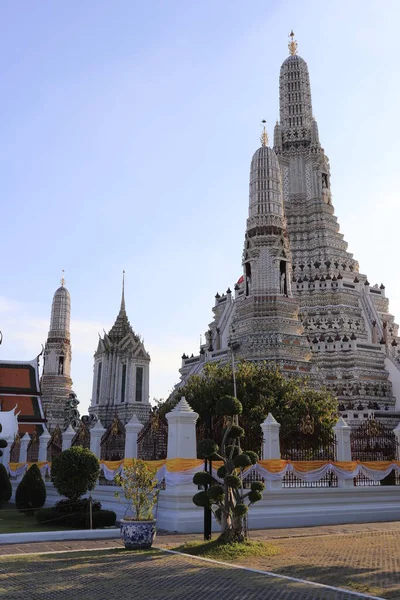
(264, 134)
(292, 45)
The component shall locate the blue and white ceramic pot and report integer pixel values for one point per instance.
(138, 534)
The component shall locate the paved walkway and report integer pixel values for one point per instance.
(156, 575)
(364, 558)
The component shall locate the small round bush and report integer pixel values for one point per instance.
(236, 431)
(228, 405)
(82, 505)
(5, 486)
(201, 499)
(75, 472)
(255, 496)
(202, 478)
(240, 510)
(233, 481)
(206, 448)
(221, 472)
(257, 486)
(216, 493)
(31, 491)
(253, 456)
(241, 461)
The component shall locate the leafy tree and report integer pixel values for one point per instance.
(229, 502)
(75, 472)
(5, 486)
(262, 388)
(31, 491)
(139, 487)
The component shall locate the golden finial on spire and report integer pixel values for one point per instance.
(264, 135)
(62, 279)
(292, 45)
(123, 291)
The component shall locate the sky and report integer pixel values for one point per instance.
(127, 131)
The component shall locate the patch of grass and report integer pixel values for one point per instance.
(12, 521)
(364, 588)
(228, 552)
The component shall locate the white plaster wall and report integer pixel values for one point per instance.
(279, 509)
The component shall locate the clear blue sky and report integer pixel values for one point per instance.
(127, 130)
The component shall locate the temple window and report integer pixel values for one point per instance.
(123, 383)
(139, 384)
(98, 382)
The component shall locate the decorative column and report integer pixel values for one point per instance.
(397, 434)
(132, 430)
(96, 433)
(23, 448)
(67, 437)
(182, 431)
(176, 511)
(343, 453)
(271, 446)
(43, 442)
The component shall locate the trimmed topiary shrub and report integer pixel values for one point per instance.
(228, 405)
(228, 500)
(81, 505)
(75, 472)
(5, 486)
(31, 491)
(76, 520)
(202, 478)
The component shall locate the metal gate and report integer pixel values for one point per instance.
(372, 441)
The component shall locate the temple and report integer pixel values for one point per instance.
(121, 373)
(56, 382)
(301, 301)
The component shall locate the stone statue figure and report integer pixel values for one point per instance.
(71, 412)
(283, 278)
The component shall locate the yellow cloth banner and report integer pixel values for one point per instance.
(175, 465)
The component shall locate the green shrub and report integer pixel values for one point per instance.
(31, 491)
(236, 431)
(257, 486)
(206, 448)
(233, 481)
(240, 510)
(216, 493)
(228, 405)
(221, 472)
(201, 499)
(5, 486)
(255, 496)
(81, 505)
(253, 456)
(75, 472)
(202, 478)
(241, 461)
(77, 520)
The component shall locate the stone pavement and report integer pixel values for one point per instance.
(362, 557)
(147, 575)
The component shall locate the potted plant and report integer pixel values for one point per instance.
(137, 481)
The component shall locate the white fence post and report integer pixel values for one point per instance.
(67, 437)
(176, 510)
(96, 433)
(271, 446)
(23, 448)
(43, 442)
(343, 452)
(182, 431)
(132, 430)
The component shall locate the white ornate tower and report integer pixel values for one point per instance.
(121, 373)
(265, 324)
(56, 380)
